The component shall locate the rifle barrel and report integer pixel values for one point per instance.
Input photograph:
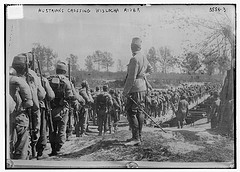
(146, 113)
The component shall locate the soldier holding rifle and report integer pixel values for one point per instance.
(136, 87)
(46, 117)
(38, 94)
(60, 107)
(19, 120)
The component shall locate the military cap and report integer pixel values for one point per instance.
(84, 83)
(105, 88)
(137, 41)
(61, 66)
(111, 91)
(19, 60)
(184, 96)
(97, 88)
(216, 94)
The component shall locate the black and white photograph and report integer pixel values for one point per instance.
(118, 86)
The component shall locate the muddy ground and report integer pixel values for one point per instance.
(196, 143)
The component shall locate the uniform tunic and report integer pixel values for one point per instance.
(136, 86)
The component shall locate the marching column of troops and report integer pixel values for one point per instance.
(51, 109)
(47, 109)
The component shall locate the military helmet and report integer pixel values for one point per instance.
(61, 66)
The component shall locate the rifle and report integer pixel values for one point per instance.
(69, 102)
(29, 112)
(47, 103)
(140, 107)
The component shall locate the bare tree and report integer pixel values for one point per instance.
(46, 56)
(120, 65)
(153, 58)
(107, 60)
(89, 63)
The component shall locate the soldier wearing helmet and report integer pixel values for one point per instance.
(183, 107)
(114, 110)
(60, 106)
(214, 109)
(21, 93)
(84, 113)
(103, 102)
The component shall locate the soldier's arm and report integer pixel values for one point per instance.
(85, 96)
(50, 95)
(110, 100)
(149, 69)
(41, 90)
(41, 93)
(115, 103)
(12, 104)
(68, 90)
(24, 90)
(78, 97)
(131, 77)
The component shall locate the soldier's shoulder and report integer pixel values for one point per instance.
(32, 73)
(17, 79)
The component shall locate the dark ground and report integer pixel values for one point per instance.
(191, 144)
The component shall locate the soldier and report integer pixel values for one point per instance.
(38, 93)
(114, 109)
(45, 110)
(182, 111)
(214, 109)
(94, 113)
(85, 93)
(77, 105)
(19, 119)
(103, 101)
(136, 86)
(60, 107)
(165, 102)
(120, 103)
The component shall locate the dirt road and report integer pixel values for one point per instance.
(196, 143)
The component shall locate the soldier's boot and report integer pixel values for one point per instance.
(110, 130)
(115, 129)
(129, 140)
(54, 152)
(178, 124)
(40, 154)
(134, 142)
(135, 138)
(77, 129)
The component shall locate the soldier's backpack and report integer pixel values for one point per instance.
(58, 85)
(102, 100)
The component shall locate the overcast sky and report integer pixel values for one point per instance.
(81, 33)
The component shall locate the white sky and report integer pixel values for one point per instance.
(83, 33)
